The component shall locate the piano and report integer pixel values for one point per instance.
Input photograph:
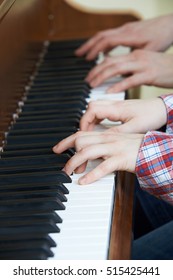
(45, 214)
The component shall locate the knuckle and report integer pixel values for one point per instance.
(78, 134)
(151, 76)
(78, 142)
(141, 55)
(128, 27)
(100, 34)
(84, 153)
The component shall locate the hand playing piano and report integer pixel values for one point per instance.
(118, 151)
(153, 34)
(140, 67)
(137, 116)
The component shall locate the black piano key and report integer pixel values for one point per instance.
(49, 99)
(27, 205)
(45, 227)
(16, 247)
(34, 160)
(32, 131)
(55, 106)
(66, 44)
(56, 79)
(60, 94)
(32, 254)
(47, 69)
(65, 53)
(69, 115)
(61, 85)
(66, 73)
(34, 152)
(27, 237)
(36, 146)
(34, 186)
(64, 87)
(45, 123)
(14, 219)
(22, 225)
(75, 61)
(35, 138)
(70, 111)
(32, 168)
(39, 177)
(33, 194)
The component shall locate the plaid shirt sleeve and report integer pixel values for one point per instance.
(168, 100)
(154, 166)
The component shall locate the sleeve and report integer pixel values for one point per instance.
(168, 100)
(154, 166)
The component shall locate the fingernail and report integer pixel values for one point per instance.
(54, 148)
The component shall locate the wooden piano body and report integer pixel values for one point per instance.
(24, 25)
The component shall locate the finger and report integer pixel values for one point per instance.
(84, 48)
(106, 167)
(88, 153)
(96, 112)
(69, 142)
(90, 45)
(90, 119)
(103, 45)
(127, 83)
(108, 62)
(98, 68)
(114, 70)
(81, 142)
(85, 141)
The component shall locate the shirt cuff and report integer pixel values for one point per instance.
(154, 168)
(168, 100)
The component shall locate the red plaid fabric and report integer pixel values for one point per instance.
(154, 167)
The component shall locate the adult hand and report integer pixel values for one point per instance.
(119, 152)
(142, 67)
(154, 34)
(137, 116)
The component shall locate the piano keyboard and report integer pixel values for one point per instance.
(43, 214)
